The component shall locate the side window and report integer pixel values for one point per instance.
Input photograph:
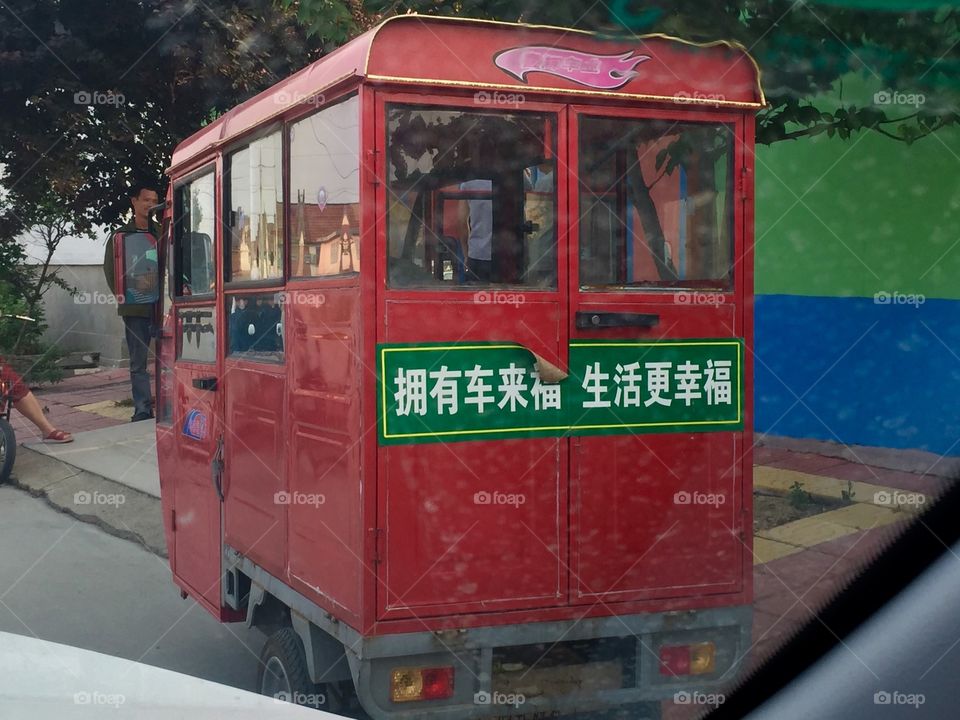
(254, 218)
(325, 188)
(255, 326)
(472, 198)
(656, 204)
(195, 222)
(197, 333)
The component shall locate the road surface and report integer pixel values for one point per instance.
(69, 582)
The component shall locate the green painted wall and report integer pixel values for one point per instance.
(860, 216)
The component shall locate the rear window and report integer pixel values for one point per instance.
(472, 198)
(656, 203)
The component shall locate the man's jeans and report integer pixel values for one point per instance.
(138, 331)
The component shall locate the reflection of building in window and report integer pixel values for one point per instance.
(256, 204)
(325, 175)
(327, 241)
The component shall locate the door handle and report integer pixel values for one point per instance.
(205, 383)
(594, 320)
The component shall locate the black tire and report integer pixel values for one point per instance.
(8, 450)
(282, 673)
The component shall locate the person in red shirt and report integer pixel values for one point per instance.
(28, 405)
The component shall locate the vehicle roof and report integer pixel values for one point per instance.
(446, 52)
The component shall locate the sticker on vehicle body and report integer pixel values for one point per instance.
(195, 425)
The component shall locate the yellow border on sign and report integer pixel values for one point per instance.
(445, 433)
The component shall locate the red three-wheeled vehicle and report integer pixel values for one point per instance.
(455, 378)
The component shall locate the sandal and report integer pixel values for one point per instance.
(58, 436)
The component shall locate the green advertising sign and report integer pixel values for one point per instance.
(451, 392)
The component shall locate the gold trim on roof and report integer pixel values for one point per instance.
(520, 89)
(732, 44)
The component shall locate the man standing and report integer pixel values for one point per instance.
(476, 220)
(138, 319)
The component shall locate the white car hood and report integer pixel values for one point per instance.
(41, 680)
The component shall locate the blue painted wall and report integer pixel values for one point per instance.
(859, 372)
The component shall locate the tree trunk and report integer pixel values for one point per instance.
(650, 222)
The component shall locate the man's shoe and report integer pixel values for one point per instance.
(142, 416)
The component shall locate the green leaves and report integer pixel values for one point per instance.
(95, 95)
(330, 20)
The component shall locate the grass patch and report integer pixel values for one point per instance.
(771, 510)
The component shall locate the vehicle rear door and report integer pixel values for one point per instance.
(655, 322)
(475, 292)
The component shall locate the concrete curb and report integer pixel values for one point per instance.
(117, 509)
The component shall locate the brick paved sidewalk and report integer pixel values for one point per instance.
(790, 589)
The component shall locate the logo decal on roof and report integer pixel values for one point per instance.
(606, 72)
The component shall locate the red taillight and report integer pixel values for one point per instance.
(695, 659)
(675, 660)
(437, 683)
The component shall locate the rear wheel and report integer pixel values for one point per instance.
(8, 449)
(282, 673)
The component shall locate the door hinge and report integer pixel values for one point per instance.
(377, 532)
(373, 167)
(173, 520)
(742, 182)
